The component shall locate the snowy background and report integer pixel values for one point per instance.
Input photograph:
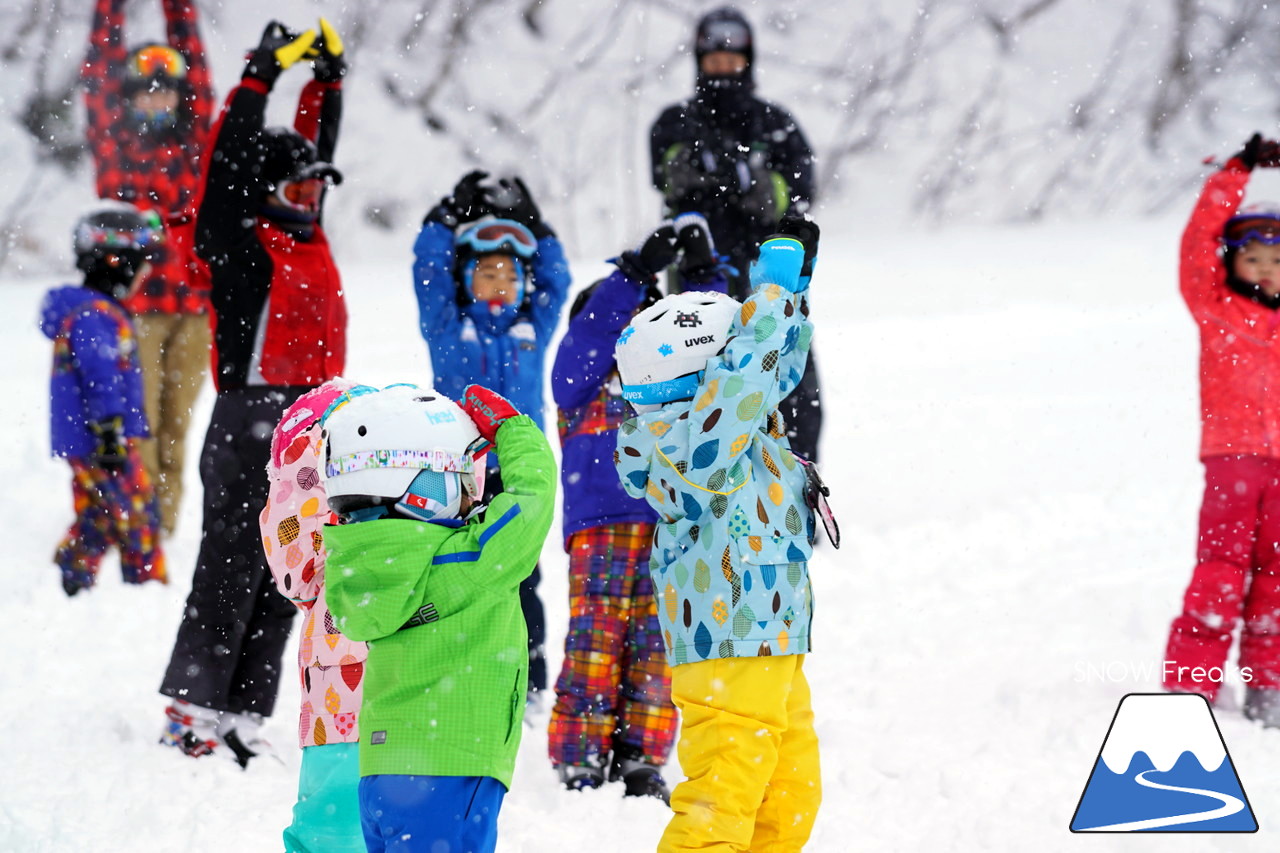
(1011, 405)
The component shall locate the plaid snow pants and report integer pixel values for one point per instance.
(614, 690)
(112, 509)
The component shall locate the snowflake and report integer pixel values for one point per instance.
(665, 349)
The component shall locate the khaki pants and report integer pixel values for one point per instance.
(749, 750)
(173, 350)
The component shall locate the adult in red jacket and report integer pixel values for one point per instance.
(280, 330)
(149, 112)
(1230, 279)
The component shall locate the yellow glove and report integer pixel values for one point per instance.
(291, 52)
(277, 50)
(330, 65)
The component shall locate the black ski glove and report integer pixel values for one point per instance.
(511, 199)
(330, 64)
(693, 238)
(278, 49)
(805, 230)
(110, 452)
(1249, 153)
(465, 204)
(657, 252)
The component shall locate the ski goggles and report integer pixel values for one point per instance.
(157, 60)
(724, 35)
(305, 190)
(502, 236)
(1263, 228)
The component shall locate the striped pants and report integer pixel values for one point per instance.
(112, 508)
(614, 690)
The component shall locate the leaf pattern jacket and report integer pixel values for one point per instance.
(731, 551)
(330, 665)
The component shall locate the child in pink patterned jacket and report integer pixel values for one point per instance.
(327, 815)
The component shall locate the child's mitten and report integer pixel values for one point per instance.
(489, 409)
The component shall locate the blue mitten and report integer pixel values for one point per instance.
(780, 262)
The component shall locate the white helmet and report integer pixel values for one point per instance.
(404, 446)
(667, 344)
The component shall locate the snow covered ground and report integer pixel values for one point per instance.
(1011, 439)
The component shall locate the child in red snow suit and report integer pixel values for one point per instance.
(1230, 279)
(96, 415)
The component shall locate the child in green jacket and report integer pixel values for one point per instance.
(430, 579)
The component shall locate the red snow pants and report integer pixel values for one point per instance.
(1237, 575)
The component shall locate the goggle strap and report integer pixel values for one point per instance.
(434, 460)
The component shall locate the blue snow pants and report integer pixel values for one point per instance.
(423, 814)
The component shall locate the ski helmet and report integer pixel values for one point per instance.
(111, 243)
(495, 236)
(300, 417)
(1254, 223)
(727, 29)
(667, 345)
(404, 447)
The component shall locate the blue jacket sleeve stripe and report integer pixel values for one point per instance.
(467, 556)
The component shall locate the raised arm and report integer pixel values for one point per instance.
(1201, 277)
(103, 79)
(183, 28)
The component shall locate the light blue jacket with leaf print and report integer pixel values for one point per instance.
(731, 550)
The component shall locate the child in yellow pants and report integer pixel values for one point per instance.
(708, 451)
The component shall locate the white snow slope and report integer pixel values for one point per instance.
(1012, 431)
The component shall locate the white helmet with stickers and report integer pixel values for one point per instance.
(405, 448)
(667, 345)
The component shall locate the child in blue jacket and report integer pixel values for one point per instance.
(613, 697)
(709, 452)
(491, 278)
(96, 410)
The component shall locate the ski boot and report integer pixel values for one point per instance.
(640, 778)
(191, 728)
(74, 580)
(1263, 706)
(242, 733)
(581, 777)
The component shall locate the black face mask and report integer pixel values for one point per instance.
(725, 95)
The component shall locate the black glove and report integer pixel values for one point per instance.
(693, 239)
(656, 253)
(689, 185)
(278, 49)
(465, 204)
(110, 452)
(330, 63)
(805, 230)
(511, 199)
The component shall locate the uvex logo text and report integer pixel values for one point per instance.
(705, 339)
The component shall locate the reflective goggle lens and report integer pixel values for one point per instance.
(497, 236)
(158, 60)
(1260, 229)
(304, 193)
(724, 35)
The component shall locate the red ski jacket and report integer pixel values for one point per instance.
(280, 317)
(1239, 338)
(154, 172)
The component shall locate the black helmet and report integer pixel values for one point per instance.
(285, 153)
(111, 243)
(724, 29)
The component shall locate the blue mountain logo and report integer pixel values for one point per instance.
(1163, 767)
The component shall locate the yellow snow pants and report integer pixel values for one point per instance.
(749, 750)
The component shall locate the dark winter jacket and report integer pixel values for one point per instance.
(95, 368)
(738, 160)
(588, 394)
(261, 273)
(156, 170)
(507, 355)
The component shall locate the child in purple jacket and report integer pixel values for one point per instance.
(96, 413)
(613, 697)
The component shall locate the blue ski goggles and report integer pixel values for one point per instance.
(1251, 228)
(502, 235)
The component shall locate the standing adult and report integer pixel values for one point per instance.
(280, 331)
(743, 163)
(149, 114)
